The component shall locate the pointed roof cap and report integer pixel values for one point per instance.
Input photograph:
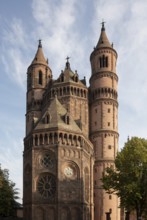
(103, 40)
(39, 57)
(68, 76)
(68, 73)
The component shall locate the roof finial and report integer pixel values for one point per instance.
(40, 44)
(103, 25)
(67, 58)
(67, 63)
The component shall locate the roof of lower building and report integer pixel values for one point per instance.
(56, 116)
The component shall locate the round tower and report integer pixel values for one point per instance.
(103, 121)
(38, 76)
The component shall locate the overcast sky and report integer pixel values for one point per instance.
(69, 27)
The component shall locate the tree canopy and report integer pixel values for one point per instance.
(8, 194)
(128, 179)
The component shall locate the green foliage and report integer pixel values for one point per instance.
(8, 194)
(129, 177)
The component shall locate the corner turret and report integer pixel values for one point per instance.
(104, 55)
(39, 75)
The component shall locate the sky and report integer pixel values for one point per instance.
(69, 28)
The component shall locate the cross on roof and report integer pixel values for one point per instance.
(40, 44)
(67, 58)
(103, 24)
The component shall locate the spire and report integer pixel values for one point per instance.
(103, 40)
(39, 57)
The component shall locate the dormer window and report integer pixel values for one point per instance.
(103, 61)
(76, 78)
(61, 77)
(40, 78)
(67, 119)
(47, 119)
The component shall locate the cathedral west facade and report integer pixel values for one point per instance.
(71, 137)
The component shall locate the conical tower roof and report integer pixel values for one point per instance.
(103, 40)
(39, 57)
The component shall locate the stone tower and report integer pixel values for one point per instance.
(103, 115)
(58, 156)
(71, 136)
(36, 85)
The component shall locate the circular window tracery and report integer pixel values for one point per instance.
(47, 161)
(68, 171)
(46, 185)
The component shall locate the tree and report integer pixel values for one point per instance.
(128, 178)
(8, 194)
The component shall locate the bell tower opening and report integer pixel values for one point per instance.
(103, 61)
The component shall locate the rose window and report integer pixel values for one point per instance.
(47, 185)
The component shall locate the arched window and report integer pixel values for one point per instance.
(40, 78)
(67, 119)
(76, 78)
(62, 77)
(103, 61)
(86, 183)
(47, 119)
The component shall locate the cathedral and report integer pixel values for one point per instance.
(71, 137)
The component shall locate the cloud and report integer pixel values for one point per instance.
(13, 52)
(51, 15)
(58, 28)
(71, 28)
(16, 68)
(56, 25)
(126, 27)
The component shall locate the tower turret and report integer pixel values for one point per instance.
(38, 76)
(73, 95)
(103, 120)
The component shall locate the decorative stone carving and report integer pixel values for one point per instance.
(47, 161)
